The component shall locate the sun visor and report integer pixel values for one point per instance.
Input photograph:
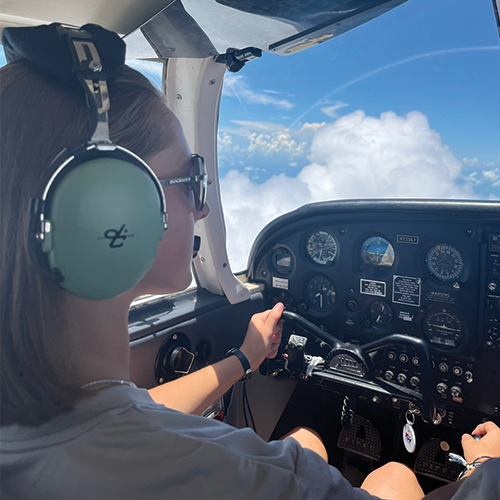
(194, 29)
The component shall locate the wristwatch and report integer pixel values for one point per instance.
(244, 361)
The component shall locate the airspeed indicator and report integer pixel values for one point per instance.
(322, 247)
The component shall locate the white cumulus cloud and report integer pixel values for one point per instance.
(279, 142)
(357, 156)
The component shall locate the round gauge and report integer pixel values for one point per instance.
(444, 262)
(444, 328)
(320, 292)
(377, 251)
(322, 247)
(282, 260)
(380, 313)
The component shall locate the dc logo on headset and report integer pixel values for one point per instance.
(116, 236)
(99, 193)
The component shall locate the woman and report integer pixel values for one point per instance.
(73, 426)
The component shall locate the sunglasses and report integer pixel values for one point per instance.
(197, 181)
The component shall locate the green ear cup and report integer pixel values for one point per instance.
(106, 222)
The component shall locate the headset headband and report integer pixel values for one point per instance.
(88, 68)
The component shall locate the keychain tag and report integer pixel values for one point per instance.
(409, 437)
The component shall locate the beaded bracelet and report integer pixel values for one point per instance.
(453, 457)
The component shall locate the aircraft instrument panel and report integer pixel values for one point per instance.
(431, 270)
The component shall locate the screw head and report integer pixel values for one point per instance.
(211, 82)
(95, 66)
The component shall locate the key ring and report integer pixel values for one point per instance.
(411, 420)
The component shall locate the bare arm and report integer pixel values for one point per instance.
(197, 391)
(488, 446)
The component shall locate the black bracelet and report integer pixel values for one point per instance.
(243, 360)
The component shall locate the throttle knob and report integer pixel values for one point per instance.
(441, 388)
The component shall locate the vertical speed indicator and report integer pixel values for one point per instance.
(322, 247)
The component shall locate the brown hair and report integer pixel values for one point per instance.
(38, 119)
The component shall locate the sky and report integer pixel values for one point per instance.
(405, 106)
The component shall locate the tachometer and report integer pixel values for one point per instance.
(377, 251)
(444, 328)
(322, 247)
(320, 293)
(444, 262)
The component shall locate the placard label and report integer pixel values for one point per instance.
(369, 287)
(280, 283)
(405, 316)
(404, 238)
(443, 297)
(406, 290)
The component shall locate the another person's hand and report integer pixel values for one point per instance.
(488, 445)
(263, 336)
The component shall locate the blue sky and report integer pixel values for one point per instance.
(406, 105)
(455, 88)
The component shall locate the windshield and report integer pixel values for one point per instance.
(405, 106)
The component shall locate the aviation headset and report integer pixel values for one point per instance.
(96, 226)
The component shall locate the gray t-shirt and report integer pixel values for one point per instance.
(482, 484)
(120, 444)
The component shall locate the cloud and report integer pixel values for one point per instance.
(470, 161)
(279, 142)
(236, 86)
(492, 176)
(357, 156)
(311, 127)
(266, 138)
(331, 111)
(479, 177)
(224, 141)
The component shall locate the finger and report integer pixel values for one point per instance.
(467, 438)
(275, 345)
(272, 354)
(485, 428)
(260, 318)
(279, 327)
(274, 316)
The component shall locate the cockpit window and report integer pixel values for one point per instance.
(153, 70)
(405, 106)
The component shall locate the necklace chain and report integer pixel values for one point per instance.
(108, 381)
